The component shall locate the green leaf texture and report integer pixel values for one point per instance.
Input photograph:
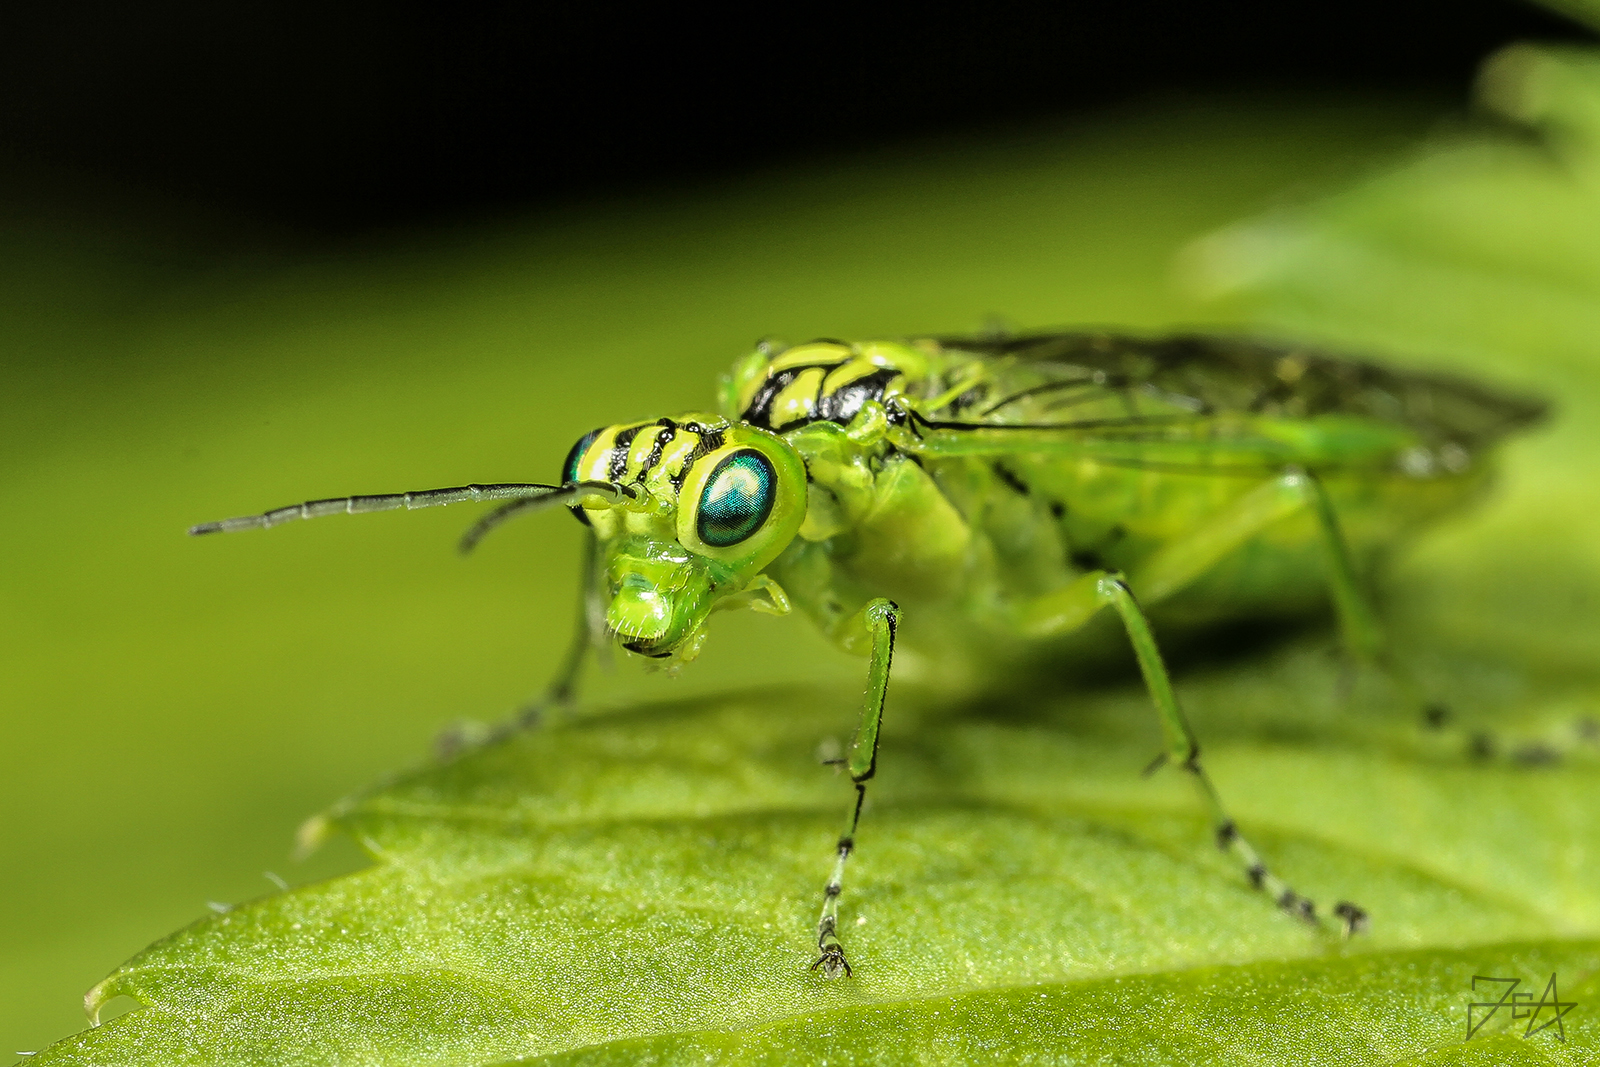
(639, 886)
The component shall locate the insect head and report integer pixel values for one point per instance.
(716, 502)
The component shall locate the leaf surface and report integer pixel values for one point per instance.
(641, 884)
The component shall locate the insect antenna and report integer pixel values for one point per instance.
(525, 494)
(610, 492)
(481, 528)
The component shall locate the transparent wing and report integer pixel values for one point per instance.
(1080, 377)
(1201, 444)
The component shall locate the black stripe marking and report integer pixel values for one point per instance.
(664, 436)
(843, 403)
(617, 464)
(1010, 478)
(759, 411)
(710, 441)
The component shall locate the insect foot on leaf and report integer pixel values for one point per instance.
(1352, 916)
(830, 953)
(832, 961)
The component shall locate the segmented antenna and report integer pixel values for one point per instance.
(524, 494)
(612, 492)
(481, 528)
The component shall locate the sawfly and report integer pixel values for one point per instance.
(983, 496)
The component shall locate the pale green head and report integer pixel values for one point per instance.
(716, 502)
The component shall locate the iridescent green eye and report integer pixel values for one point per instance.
(569, 469)
(737, 498)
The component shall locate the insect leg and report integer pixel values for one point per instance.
(1181, 562)
(591, 620)
(879, 618)
(562, 689)
(1183, 751)
(1065, 610)
(1358, 624)
(1363, 634)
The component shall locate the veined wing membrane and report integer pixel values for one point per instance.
(1220, 375)
(1201, 444)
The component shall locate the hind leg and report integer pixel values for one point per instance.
(1073, 606)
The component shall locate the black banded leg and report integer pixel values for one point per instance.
(1364, 638)
(879, 618)
(563, 688)
(1363, 635)
(1183, 750)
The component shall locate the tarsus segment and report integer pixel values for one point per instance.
(523, 493)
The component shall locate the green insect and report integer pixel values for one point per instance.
(985, 497)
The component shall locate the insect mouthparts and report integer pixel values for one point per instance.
(643, 649)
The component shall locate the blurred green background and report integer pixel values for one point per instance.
(173, 708)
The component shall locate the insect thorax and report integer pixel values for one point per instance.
(827, 381)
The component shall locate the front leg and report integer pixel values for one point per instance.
(878, 619)
(562, 691)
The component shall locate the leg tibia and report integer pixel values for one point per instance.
(1357, 622)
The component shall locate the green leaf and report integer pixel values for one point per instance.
(640, 886)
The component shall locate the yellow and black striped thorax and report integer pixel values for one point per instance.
(825, 381)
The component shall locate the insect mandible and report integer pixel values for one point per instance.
(1005, 490)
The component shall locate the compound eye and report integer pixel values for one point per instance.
(569, 469)
(737, 498)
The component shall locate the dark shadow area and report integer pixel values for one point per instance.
(345, 117)
(1098, 658)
